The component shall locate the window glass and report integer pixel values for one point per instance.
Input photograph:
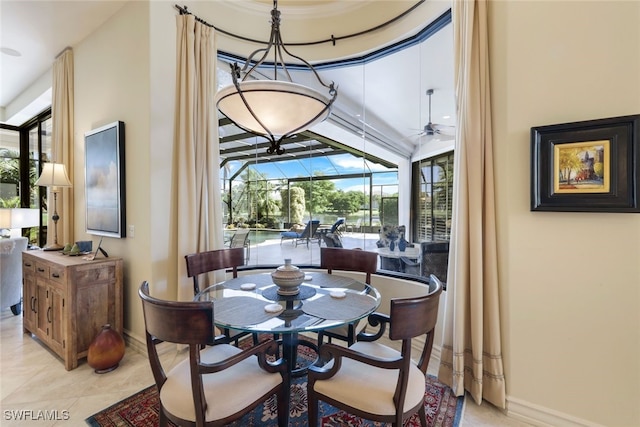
(9, 168)
(433, 198)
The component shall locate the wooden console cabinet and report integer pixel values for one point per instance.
(67, 300)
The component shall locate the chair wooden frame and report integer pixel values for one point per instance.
(201, 263)
(346, 260)
(191, 323)
(408, 318)
(218, 259)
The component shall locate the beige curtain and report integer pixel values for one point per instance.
(198, 209)
(62, 143)
(472, 351)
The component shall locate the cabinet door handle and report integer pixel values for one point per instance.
(35, 305)
(32, 303)
(49, 315)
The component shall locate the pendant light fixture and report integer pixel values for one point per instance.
(275, 109)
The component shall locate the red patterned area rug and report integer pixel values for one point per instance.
(443, 409)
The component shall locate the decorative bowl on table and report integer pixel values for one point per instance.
(288, 278)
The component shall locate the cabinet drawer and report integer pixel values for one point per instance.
(42, 270)
(28, 265)
(57, 274)
(96, 274)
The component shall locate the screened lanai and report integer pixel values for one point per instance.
(338, 182)
(362, 164)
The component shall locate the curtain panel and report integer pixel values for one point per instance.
(62, 112)
(197, 201)
(471, 356)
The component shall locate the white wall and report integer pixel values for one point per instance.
(112, 83)
(570, 282)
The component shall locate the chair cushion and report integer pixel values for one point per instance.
(290, 234)
(354, 378)
(226, 392)
(389, 233)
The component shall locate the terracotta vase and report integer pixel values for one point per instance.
(106, 350)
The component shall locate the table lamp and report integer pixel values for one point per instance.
(54, 175)
(17, 219)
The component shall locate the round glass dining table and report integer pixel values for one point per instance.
(252, 303)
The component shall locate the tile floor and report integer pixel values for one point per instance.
(33, 379)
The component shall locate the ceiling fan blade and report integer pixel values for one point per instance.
(444, 129)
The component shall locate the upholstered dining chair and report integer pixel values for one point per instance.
(201, 263)
(372, 380)
(347, 260)
(215, 384)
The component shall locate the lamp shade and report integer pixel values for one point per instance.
(54, 175)
(19, 218)
(282, 107)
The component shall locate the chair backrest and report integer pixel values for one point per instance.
(181, 322)
(240, 238)
(349, 260)
(310, 229)
(332, 240)
(336, 224)
(412, 317)
(204, 262)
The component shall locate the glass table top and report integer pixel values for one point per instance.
(251, 303)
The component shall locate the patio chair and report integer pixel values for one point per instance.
(337, 227)
(331, 236)
(355, 226)
(240, 239)
(309, 234)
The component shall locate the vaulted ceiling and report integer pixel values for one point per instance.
(380, 94)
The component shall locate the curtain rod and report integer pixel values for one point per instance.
(63, 51)
(183, 11)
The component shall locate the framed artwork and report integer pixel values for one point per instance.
(589, 166)
(104, 180)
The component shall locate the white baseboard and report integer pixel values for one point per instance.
(544, 417)
(135, 343)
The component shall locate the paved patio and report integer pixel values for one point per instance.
(271, 252)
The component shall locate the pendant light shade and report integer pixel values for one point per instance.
(275, 109)
(282, 108)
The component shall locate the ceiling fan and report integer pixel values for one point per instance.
(431, 129)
